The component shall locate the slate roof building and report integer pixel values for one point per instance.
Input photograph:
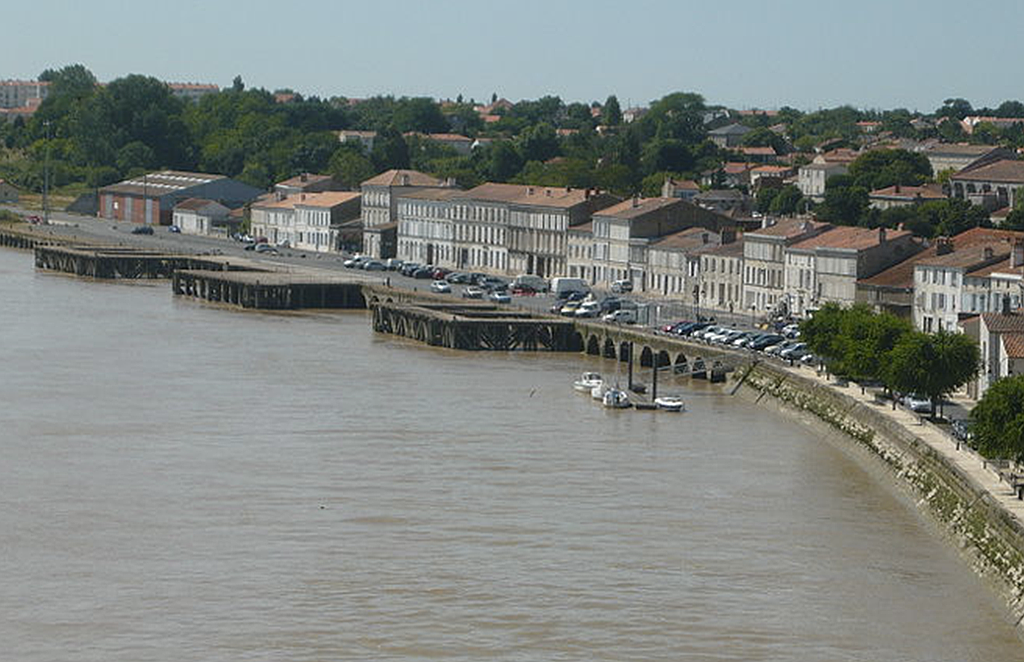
(151, 198)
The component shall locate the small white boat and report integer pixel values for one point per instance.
(616, 398)
(669, 403)
(598, 391)
(587, 382)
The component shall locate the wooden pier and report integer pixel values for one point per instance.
(475, 327)
(269, 290)
(120, 262)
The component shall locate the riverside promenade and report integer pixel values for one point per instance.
(984, 473)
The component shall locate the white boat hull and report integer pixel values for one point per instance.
(669, 403)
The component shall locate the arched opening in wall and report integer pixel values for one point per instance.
(594, 346)
(664, 359)
(681, 364)
(646, 358)
(389, 300)
(577, 343)
(609, 349)
(373, 300)
(625, 350)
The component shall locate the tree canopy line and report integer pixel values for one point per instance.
(858, 344)
(95, 135)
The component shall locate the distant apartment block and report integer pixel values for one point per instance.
(192, 91)
(22, 93)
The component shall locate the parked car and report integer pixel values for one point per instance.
(440, 273)
(393, 264)
(456, 277)
(569, 308)
(621, 286)
(795, 348)
(423, 273)
(621, 317)
(174, 229)
(500, 296)
(284, 243)
(266, 249)
(918, 403)
(765, 341)
(409, 268)
(143, 229)
(354, 262)
(588, 309)
(472, 292)
(250, 246)
(374, 265)
(440, 287)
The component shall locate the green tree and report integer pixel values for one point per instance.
(504, 161)
(538, 143)
(821, 332)
(420, 114)
(998, 420)
(787, 201)
(932, 365)
(611, 114)
(389, 150)
(866, 339)
(350, 167)
(880, 168)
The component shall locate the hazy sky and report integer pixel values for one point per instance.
(764, 53)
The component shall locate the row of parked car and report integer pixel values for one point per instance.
(783, 343)
(609, 309)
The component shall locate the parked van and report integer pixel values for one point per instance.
(563, 287)
(531, 281)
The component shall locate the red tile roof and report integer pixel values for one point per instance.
(853, 238)
(788, 228)
(1005, 170)
(897, 192)
(402, 178)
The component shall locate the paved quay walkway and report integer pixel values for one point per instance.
(982, 472)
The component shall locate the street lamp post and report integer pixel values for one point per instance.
(46, 177)
(696, 303)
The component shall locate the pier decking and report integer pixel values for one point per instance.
(120, 262)
(269, 290)
(475, 327)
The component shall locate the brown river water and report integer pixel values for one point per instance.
(186, 483)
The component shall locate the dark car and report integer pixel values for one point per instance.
(143, 229)
(457, 277)
(440, 273)
(409, 268)
(424, 273)
(766, 340)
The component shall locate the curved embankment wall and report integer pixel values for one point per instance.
(989, 537)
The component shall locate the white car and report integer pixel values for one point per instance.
(621, 317)
(918, 403)
(588, 309)
(440, 287)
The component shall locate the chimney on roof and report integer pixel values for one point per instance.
(636, 201)
(897, 188)
(704, 237)
(586, 193)
(547, 192)
(943, 246)
(881, 235)
(304, 177)
(988, 252)
(405, 179)
(1017, 253)
(529, 190)
(449, 182)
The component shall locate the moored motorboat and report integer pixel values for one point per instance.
(669, 403)
(598, 391)
(616, 398)
(587, 382)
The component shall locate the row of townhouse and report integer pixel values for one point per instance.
(306, 221)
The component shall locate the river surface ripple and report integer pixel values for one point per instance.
(181, 482)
